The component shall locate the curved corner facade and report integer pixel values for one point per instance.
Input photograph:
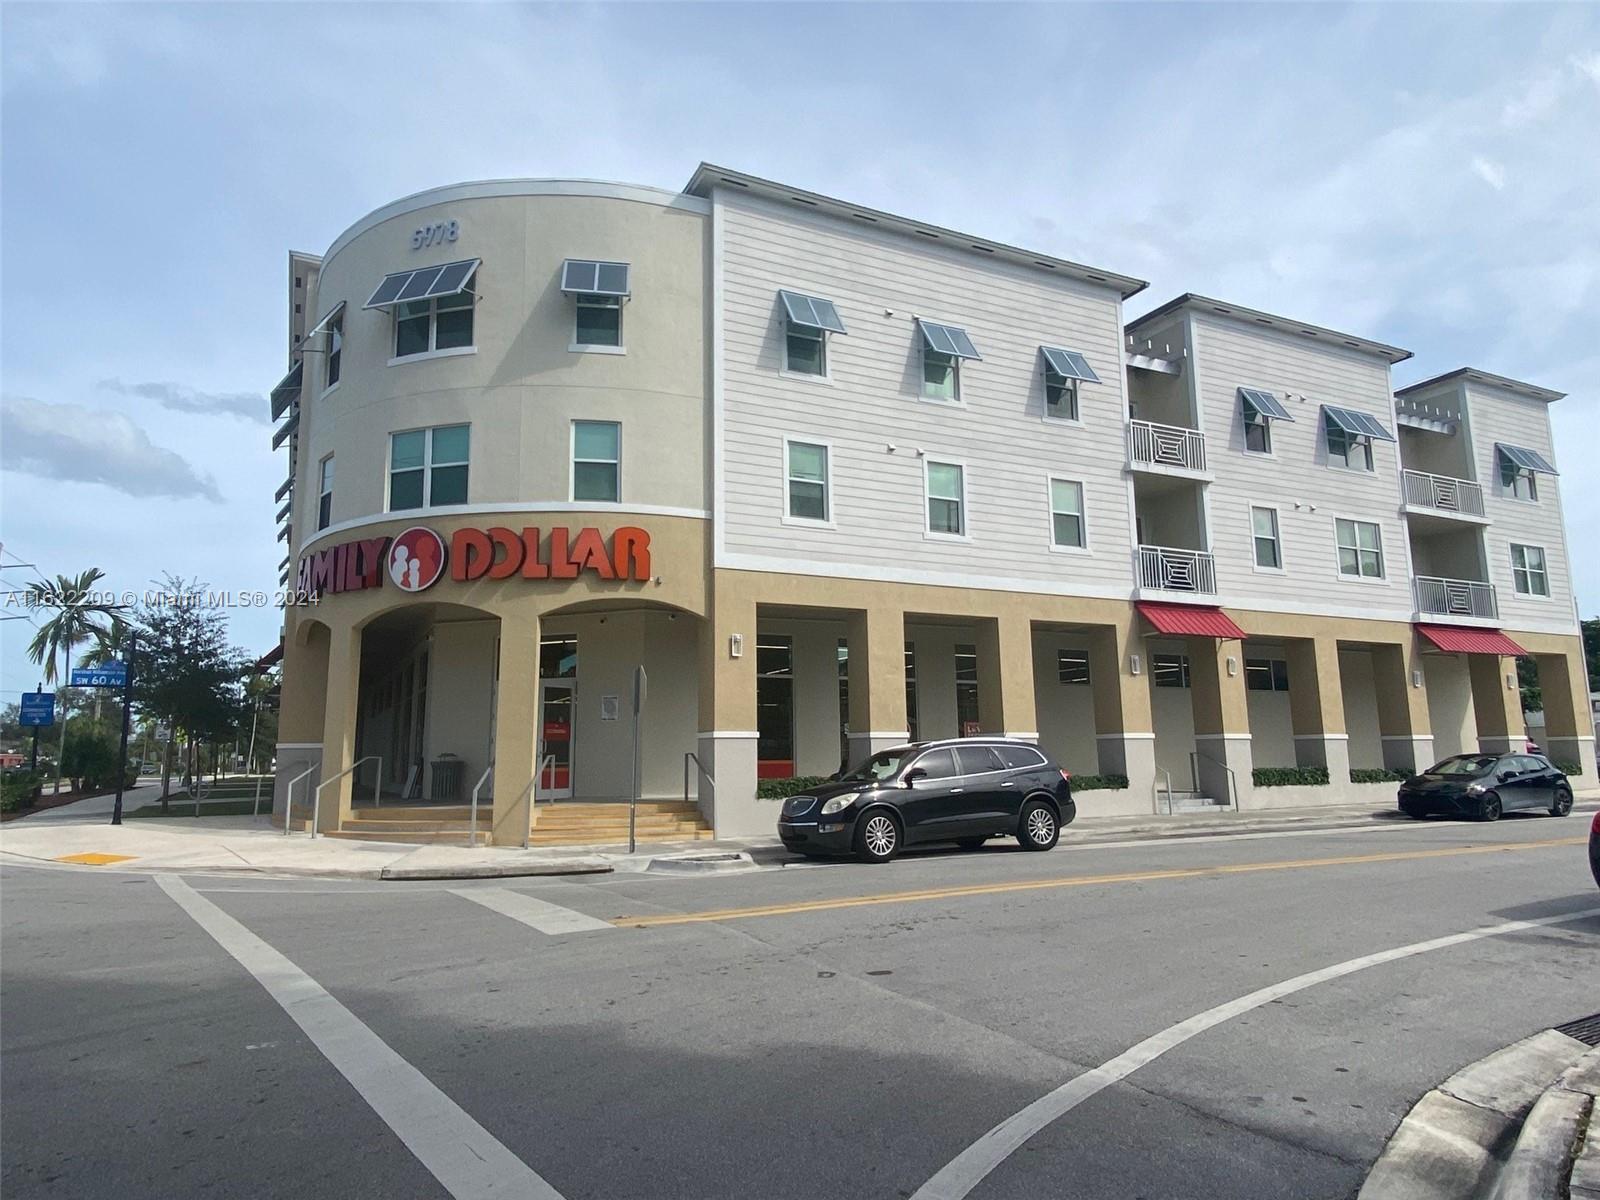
(796, 480)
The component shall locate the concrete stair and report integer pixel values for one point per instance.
(557, 824)
(1194, 802)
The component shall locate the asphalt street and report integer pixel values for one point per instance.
(1087, 1023)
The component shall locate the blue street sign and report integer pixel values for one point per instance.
(111, 675)
(38, 708)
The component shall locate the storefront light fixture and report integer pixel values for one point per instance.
(1133, 664)
(736, 645)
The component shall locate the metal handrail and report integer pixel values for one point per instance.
(288, 795)
(316, 799)
(1155, 788)
(472, 822)
(532, 793)
(701, 767)
(1233, 779)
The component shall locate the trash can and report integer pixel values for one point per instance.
(447, 779)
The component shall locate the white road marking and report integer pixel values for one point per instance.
(540, 914)
(463, 1156)
(964, 1172)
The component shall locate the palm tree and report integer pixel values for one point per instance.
(78, 618)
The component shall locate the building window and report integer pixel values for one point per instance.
(335, 348)
(558, 656)
(597, 461)
(1518, 482)
(1064, 370)
(943, 348)
(1066, 513)
(1170, 670)
(1072, 666)
(911, 691)
(1346, 449)
(808, 320)
(1360, 548)
(1257, 430)
(1528, 573)
(843, 653)
(946, 486)
(599, 321)
(428, 467)
(1264, 526)
(967, 691)
(325, 493)
(807, 481)
(774, 706)
(1266, 674)
(443, 323)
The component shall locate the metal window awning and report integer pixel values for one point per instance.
(1455, 640)
(1189, 620)
(287, 428)
(947, 339)
(811, 312)
(287, 390)
(285, 532)
(1527, 460)
(592, 277)
(284, 488)
(423, 283)
(1265, 403)
(323, 325)
(1357, 423)
(1069, 363)
(284, 511)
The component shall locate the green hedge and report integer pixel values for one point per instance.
(1289, 776)
(1377, 775)
(17, 787)
(778, 789)
(1568, 768)
(1098, 783)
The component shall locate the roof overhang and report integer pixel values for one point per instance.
(1251, 316)
(1454, 640)
(709, 176)
(1484, 379)
(1189, 620)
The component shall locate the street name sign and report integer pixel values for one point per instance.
(111, 675)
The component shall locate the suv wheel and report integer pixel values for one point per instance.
(1489, 808)
(1038, 829)
(1563, 803)
(877, 837)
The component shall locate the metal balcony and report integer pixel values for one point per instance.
(1455, 597)
(1152, 445)
(1443, 493)
(1172, 569)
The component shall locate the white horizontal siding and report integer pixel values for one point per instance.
(1296, 479)
(881, 282)
(1500, 416)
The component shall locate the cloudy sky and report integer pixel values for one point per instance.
(1426, 175)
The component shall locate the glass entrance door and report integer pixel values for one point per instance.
(555, 739)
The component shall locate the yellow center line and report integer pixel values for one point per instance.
(1035, 885)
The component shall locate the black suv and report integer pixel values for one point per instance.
(965, 790)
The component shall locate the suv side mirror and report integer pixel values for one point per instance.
(911, 776)
(1503, 776)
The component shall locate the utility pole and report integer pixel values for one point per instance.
(127, 715)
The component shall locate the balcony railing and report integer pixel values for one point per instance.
(1455, 597)
(1444, 493)
(1176, 570)
(1150, 444)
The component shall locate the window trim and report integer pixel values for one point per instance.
(427, 467)
(577, 347)
(573, 460)
(1255, 663)
(1509, 491)
(1088, 667)
(788, 517)
(1383, 564)
(333, 355)
(325, 491)
(1544, 571)
(790, 329)
(1352, 440)
(928, 531)
(927, 397)
(1069, 384)
(434, 351)
(1185, 672)
(1264, 422)
(1083, 513)
(1277, 536)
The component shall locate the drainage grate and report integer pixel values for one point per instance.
(1585, 1029)
(698, 858)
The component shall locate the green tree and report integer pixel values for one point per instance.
(1591, 651)
(77, 617)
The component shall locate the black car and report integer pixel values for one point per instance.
(1486, 785)
(964, 790)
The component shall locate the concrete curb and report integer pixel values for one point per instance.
(1451, 1144)
(712, 863)
(495, 870)
(1542, 1158)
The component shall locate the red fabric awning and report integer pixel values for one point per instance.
(1459, 640)
(1189, 620)
(270, 658)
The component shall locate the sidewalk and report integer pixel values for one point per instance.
(80, 834)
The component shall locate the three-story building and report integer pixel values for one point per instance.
(823, 479)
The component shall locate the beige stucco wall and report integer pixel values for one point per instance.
(1450, 705)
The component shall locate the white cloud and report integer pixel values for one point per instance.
(1491, 173)
(68, 443)
(249, 405)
